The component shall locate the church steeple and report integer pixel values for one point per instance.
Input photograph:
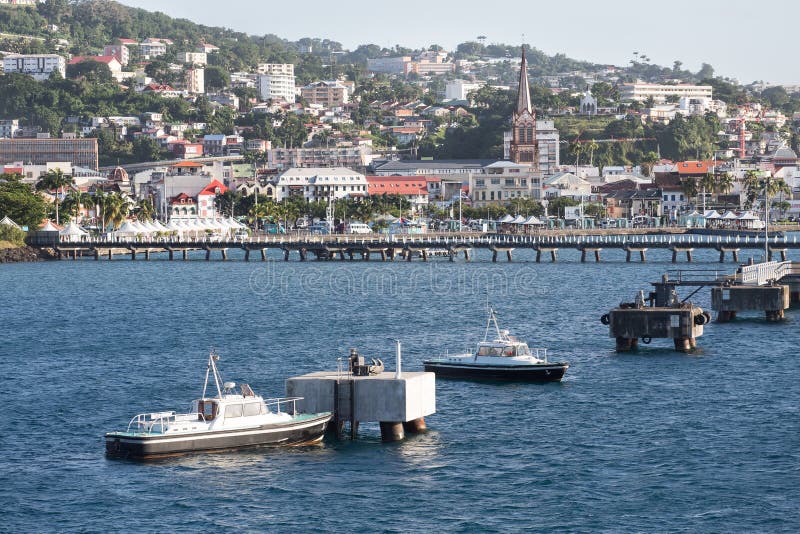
(524, 93)
(524, 147)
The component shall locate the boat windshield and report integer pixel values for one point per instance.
(503, 350)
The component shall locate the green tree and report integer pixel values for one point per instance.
(216, 78)
(21, 203)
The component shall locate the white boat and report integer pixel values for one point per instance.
(502, 358)
(235, 418)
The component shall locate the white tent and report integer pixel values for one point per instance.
(506, 219)
(160, 226)
(150, 226)
(519, 219)
(730, 216)
(712, 214)
(48, 226)
(8, 222)
(72, 232)
(533, 220)
(746, 216)
(127, 230)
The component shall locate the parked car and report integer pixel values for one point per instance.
(319, 229)
(357, 228)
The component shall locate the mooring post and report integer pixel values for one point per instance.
(110, 254)
(185, 254)
(286, 254)
(391, 431)
(171, 254)
(246, 254)
(508, 254)
(147, 254)
(224, 254)
(133, 254)
(466, 254)
(208, 254)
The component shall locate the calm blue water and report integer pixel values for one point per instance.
(652, 442)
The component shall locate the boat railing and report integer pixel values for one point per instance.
(283, 401)
(146, 423)
(539, 353)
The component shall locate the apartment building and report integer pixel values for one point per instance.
(120, 51)
(275, 81)
(195, 80)
(351, 157)
(151, 48)
(9, 128)
(39, 66)
(460, 89)
(329, 94)
(195, 58)
(660, 93)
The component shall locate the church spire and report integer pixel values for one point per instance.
(524, 94)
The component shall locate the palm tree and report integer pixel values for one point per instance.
(724, 183)
(689, 187)
(752, 185)
(77, 199)
(114, 209)
(145, 211)
(591, 146)
(55, 180)
(707, 183)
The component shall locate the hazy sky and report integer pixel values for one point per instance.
(742, 39)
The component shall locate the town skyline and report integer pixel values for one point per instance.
(608, 34)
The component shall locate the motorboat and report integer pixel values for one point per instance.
(502, 358)
(235, 418)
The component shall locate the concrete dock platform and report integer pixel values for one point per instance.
(728, 301)
(398, 404)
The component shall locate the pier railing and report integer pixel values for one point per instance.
(443, 240)
(762, 273)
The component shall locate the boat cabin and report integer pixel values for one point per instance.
(503, 350)
(230, 404)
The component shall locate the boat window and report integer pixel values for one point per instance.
(524, 350)
(509, 351)
(207, 410)
(233, 410)
(484, 351)
(497, 351)
(252, 408)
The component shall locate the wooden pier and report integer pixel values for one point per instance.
(426, 246)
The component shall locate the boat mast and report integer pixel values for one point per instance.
(492, 319)
(212, 367)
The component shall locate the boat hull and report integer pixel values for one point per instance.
(125, 445)
(551, 372)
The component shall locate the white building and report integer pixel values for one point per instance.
(275, 68)
(660, 93)
(275, 81)
(459, 89)
(503, 182)
(389, 65)
(195, 58)
(195, 81)
(320, 183)
(9, 128)
(151, 48)
(40, 66)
